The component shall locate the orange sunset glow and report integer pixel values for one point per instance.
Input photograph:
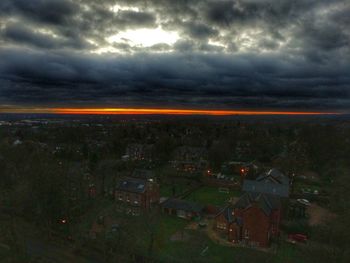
(138, 111)
(156, 111)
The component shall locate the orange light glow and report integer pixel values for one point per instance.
(138, 111)
(154, 111)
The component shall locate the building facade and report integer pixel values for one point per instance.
(253, 220)
(134, 196)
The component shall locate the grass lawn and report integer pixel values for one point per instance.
(211, 195)
(98, 207)
(299, 186)
(166, 190)
(287, 253)
(171, 224)
(195, 251)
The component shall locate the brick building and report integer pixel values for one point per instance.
(190, 159)
(253, 220)
(134, 195)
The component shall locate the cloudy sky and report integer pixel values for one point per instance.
(250, 54)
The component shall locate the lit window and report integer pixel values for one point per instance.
(246, 233)
(221, 225)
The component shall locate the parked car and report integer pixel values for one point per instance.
(297, 238)
(202, 224)
(304, 202)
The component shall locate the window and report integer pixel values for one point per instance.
(136, 199)
(221, 225)
(246, 234)
(136, 212)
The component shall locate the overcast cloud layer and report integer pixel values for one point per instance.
(277, 54)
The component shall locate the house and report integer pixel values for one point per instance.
(134, 195)
(273, 182)
(232, 174)
(274, 176)
(190, 159)
(139, 152)
(240, 169)
(224, 219)
(190, 154)
(253, 220)
(181, 208)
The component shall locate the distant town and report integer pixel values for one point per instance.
(173, 189)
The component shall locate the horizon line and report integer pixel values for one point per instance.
(158, 111)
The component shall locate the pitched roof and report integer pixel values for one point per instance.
(265, 187)
(143, 174)
(179, 204)
(274, 176)
(266, 202)
(228, 214)
(132, 185)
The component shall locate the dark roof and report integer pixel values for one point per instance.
(266, 202)
(274, 176)
(228, 214)
(266, 187)
(132, 185)
(179, 204)
(143, 174)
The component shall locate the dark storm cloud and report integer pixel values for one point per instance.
(323, 35)
(52, 12)
(196, 80)
(136, 18)
(21, 34)
(200, 30)
(244, 53)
